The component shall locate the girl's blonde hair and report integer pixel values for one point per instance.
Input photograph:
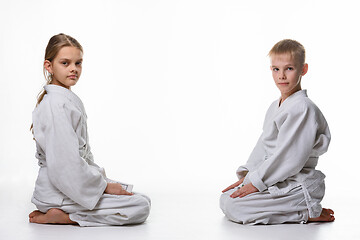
(56, 42)
(292, 47)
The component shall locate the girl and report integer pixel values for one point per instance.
(71, 188)
(279, 182)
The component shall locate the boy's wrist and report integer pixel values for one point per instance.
(257, 182)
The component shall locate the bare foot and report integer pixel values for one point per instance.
(53, 216)
(327, 215)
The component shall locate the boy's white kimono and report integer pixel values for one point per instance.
(68, 177)
(282, 166)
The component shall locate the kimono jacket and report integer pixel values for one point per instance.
(67, 168)
(294, 135)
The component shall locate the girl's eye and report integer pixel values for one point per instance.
(64, 63)
(290, 68)
(275, 69)
(79, 63)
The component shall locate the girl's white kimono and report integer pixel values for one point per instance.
(68, 177)
(282, 166)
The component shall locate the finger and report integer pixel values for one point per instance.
(247, 190)
(227, 189)
(243, 194)
(126, 193)
(236, 193)
(231, 186)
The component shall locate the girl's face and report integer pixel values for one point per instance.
(287, 74)
(66, 67)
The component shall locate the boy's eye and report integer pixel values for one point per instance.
(78, 63)
(275, 69)
(64, 63)
(290, 68)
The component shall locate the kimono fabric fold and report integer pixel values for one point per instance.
(68, 177)
(282, 166)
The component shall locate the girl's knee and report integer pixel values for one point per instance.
(145, 208)
(141, 210)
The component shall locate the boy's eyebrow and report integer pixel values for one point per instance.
(290, 64)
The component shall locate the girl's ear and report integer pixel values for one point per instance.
(304, 69)
(48, 66)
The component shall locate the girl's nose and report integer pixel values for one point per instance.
(73, 68)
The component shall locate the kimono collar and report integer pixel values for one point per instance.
(51, 88)
(300, 93)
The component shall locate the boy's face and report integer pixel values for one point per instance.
(287, 73)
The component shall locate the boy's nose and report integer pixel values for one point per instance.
(282, 75)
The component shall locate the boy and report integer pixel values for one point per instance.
(279, 182)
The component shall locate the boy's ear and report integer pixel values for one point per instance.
(304, 69)
(48, 66)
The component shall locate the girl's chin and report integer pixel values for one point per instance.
(71, 83)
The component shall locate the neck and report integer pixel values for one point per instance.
(288, 94)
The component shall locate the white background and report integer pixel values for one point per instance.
(176, 91)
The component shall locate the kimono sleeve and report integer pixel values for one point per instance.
(256, 157)
(67, 171)
(295, 141)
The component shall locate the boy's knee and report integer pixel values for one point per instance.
(227, 202)
(231, 207)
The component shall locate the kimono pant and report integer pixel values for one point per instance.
(110, 210)
(263, 208)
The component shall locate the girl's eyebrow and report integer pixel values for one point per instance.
(67, 59)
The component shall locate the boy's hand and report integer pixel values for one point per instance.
(116, 189)
(233, 185)
(245, 190)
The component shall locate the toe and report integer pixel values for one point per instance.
(33, 219)
(34, 213)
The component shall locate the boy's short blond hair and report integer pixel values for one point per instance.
(292, 47)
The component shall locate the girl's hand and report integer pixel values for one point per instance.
(243, 191)
(233, 185)
(116, 189)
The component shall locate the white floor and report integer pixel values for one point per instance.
(175, 216)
